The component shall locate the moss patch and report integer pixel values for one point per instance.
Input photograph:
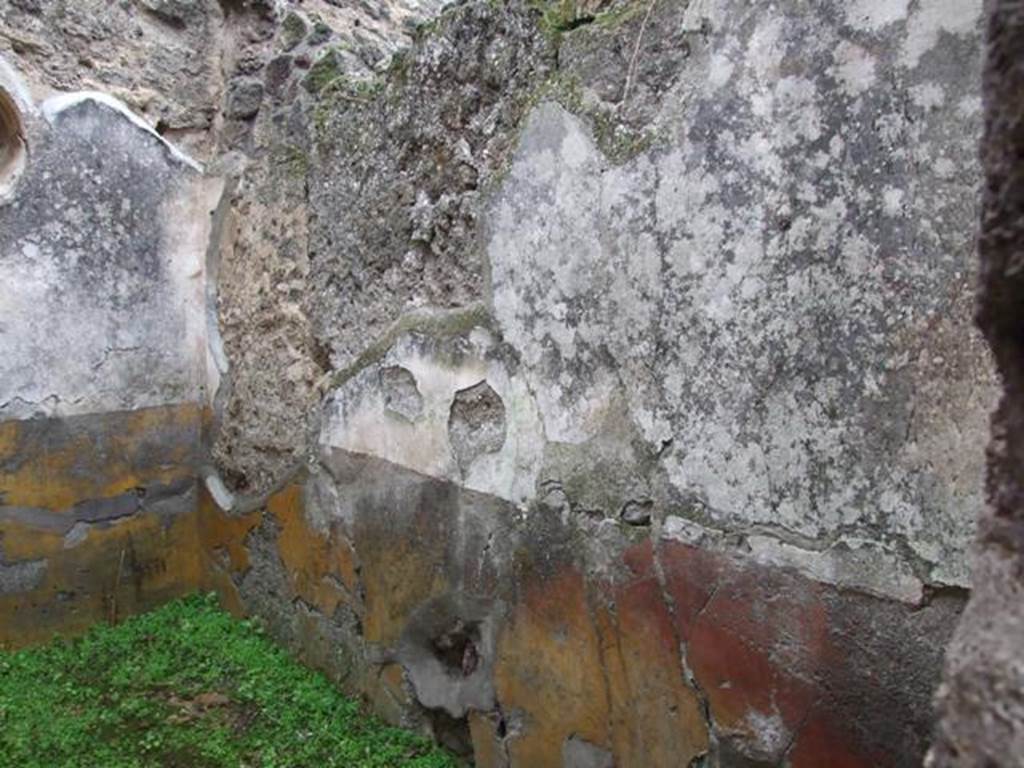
(186, 685)
(558, 16)
(436, 324)
(324, 71)
(292, 159)
(293, 29)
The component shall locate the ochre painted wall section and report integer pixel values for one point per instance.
(649, 652)
(98, 518)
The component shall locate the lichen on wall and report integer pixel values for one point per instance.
(769, 283)
(794, 320)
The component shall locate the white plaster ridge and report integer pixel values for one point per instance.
(222, 497)
(56, 105)
(11, 82)
(851, 562)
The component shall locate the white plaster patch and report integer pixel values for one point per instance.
(720, 69)
(931, 19)
(702, 13)
(945, 168)
(563, 265)
(219, 492)
(873, 15)
(851, 562)
(892, 201)
(358, 419)
(685, 531)
(969, 107)
(78, 533)
(928, 95)
(576, 152)
(854, 68)
(768, 731)
(765, 50)
(193, 299)
(71, 351)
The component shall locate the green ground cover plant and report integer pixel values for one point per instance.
(190, 686)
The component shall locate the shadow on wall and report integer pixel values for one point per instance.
(13, 150)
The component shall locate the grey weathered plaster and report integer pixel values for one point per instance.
(22, 576)
(750, 310)
(103, 301)
(464, 682)
(781, 287)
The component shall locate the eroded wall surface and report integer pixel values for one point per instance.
(192, 68)
(591, 384)
(104, 385)
(646, 416)
(982, 714)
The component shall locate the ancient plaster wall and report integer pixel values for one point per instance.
(624, 350)
(749, 244)
(778, 292)
(540, 639)
(643, 413)
(104, 385)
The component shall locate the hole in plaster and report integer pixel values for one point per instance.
(447, 651)
(401, 395)
(12, 145)
(476, 423)
(636, 512)
(457, 648)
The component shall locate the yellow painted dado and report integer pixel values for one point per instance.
(222, 541)
(320, 564)
(55, 463)
(106, 569)
(130, 566)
